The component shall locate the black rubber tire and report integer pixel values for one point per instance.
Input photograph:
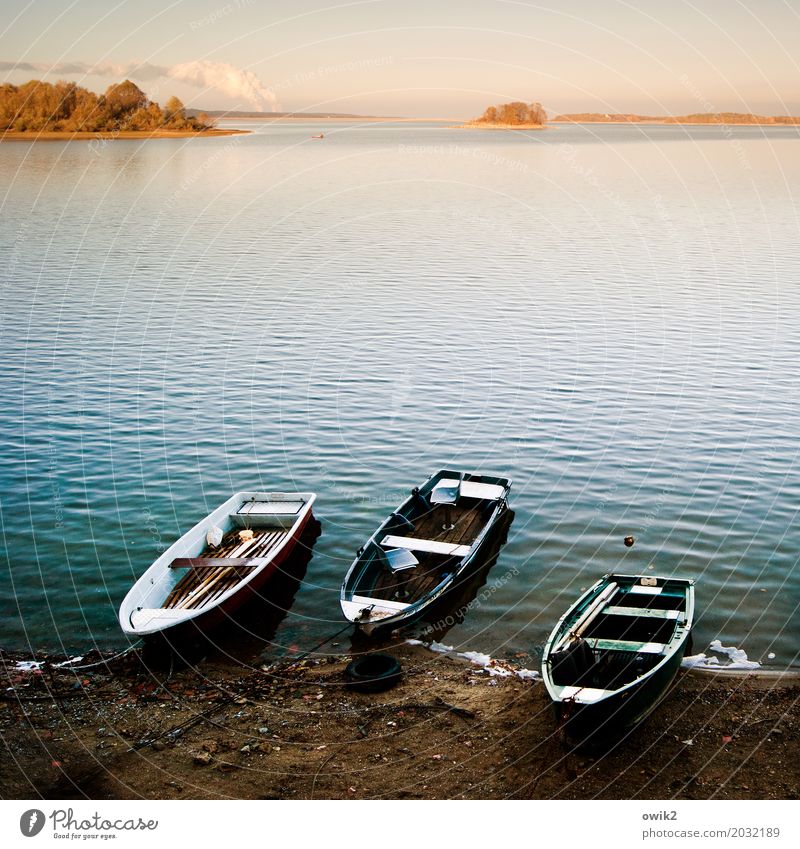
(373, 673)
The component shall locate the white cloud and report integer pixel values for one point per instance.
(242, 86)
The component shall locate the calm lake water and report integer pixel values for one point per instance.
(608, 314)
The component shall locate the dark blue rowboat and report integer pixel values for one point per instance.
(422, 550)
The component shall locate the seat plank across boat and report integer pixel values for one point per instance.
(201, 585)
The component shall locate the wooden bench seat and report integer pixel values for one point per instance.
(651, 612)
(216, 562)
(146, 617)
(429, 546)
(626, 645)
(475, 489)
(638, 589)
(271, 508)
(365, 601)
(584, 694)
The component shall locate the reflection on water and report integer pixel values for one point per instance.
(606, 314)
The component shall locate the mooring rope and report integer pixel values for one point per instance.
(67, 664)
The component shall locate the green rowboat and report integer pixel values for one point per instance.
(613, 655)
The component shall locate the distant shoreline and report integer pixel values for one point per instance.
(113, 135)
(671, 122)
(654, 123)
(330, 119)
(677, 123)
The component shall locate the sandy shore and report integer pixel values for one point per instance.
(124, 729)
(122, 134)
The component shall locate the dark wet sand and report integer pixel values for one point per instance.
(296, 732)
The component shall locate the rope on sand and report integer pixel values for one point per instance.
(67, 664)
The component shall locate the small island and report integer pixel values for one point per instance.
(64, 110)
(511, 116)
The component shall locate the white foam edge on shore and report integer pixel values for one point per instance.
(33, 665)
(737, 657)
(485, 661)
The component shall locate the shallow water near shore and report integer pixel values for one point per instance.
(608, 314)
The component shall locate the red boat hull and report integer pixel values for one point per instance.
(210, 619)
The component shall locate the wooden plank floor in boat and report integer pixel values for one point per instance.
(467, 520)
(412, 584)
(201, 586)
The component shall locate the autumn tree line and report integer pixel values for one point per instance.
(514, 113)
(66, 107)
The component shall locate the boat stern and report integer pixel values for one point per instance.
(370, 614)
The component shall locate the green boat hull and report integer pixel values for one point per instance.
(619, 713)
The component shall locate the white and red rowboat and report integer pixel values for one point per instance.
(196, 582)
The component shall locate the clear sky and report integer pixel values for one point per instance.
(427, 58)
